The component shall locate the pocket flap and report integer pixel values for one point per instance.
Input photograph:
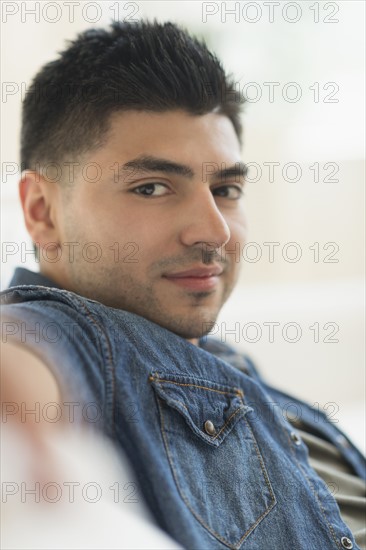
(211, 410)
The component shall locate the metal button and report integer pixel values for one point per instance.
(346, 543)
(209, 428)
(296, 438)
(343, 441)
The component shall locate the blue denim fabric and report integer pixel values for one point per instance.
(246, 485)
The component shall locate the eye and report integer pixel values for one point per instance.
(151, 190)
(231, 192)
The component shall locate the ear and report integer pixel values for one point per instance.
(38, 197)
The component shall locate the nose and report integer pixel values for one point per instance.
(203, 222)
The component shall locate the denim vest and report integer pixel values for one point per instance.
(217, 461)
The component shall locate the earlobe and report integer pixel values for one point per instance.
(36, 199)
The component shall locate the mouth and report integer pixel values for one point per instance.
(200, 279)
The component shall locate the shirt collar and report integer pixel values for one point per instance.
(23, 276)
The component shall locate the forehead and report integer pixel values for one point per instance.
(177, 135)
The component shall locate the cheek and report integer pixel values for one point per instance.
(139, 235)
(238, 239)
(238, 229)
(107, 220)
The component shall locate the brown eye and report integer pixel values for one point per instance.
(151, 190)
(231, 192)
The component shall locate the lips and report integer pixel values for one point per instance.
(200, 279)
(198, 272)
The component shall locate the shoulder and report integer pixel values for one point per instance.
(66, 332)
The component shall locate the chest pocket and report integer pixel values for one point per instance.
(213, 454)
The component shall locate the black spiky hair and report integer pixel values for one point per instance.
(146, 66)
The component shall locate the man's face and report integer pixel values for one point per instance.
(160, 231)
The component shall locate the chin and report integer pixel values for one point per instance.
(192, 329)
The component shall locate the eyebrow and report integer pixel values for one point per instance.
(148, 163)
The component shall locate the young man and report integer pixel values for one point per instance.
(132, 193)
